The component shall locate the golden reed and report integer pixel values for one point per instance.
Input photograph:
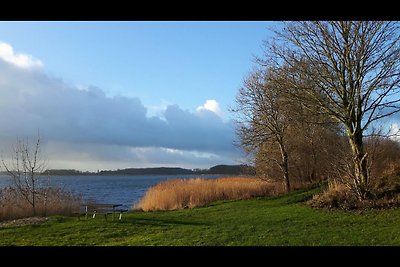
(188, 193)
(55, 202)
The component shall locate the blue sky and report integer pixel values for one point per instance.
(109, 95)
(175, 62)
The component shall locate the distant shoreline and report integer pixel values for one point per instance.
(215, 170)
(150, 174)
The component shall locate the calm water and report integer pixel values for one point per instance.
(126, 190)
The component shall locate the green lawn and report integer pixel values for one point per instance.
(280, 221)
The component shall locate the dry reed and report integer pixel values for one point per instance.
(50, 201)
(188, 193)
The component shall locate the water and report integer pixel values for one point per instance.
(126, 190)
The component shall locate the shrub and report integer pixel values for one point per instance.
(385, 193)
(386, 186)
(337, 195)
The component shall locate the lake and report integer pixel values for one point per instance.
(126, 190)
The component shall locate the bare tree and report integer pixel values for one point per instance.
(285, 136)
(262, 118)
(25, 169)
(354, 68)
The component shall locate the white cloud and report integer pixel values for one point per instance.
(395, 132)
(22, 61)
(211, 105)
(172, 151)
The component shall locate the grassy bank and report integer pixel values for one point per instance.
(283, 220)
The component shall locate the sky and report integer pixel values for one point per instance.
(112, 95)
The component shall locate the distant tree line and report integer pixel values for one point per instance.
(54, 172)
(218, 169)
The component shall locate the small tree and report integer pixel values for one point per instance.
(25, 169)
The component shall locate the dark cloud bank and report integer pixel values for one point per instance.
(88, 119)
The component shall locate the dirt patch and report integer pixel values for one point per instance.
(24, 221)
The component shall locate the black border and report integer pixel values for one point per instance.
(198, 11)
(207, 255)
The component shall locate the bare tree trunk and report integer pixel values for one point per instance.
(314, 161)
(286, 173)
(360, 178)
(34, 201)
(285, 166)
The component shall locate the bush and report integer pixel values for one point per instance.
(387, 186)
(385, 193)
(336, 196)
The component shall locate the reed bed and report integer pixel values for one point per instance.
(188, 193)
(49, 201)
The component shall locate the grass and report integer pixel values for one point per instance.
(280, 221)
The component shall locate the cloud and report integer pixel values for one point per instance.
(102, 157)
(23, 61)
(394, 132)
(210, 105)
(100, 128)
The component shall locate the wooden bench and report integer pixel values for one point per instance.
(106, 209)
